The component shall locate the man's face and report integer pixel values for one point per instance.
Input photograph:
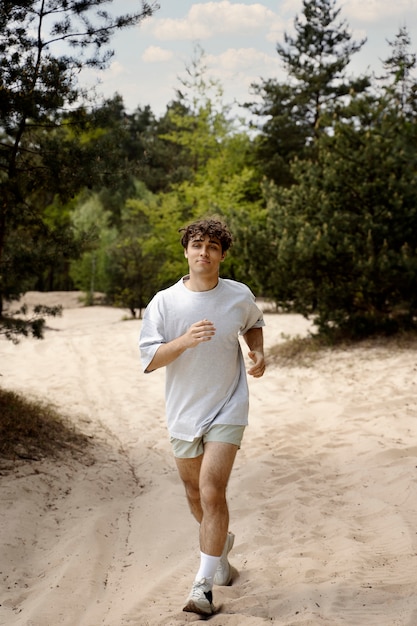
(204, 255)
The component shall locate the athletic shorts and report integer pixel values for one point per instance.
(224, 433)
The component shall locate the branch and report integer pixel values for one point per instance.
(13, 327)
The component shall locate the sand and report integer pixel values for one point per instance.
(323, 496)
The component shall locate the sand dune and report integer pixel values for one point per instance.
(323, 496)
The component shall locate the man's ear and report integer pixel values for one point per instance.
(224, 254)
(185, 253)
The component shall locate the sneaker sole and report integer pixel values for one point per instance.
(191, 607)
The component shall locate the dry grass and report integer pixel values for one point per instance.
(304, 351)
(31, 430)
(297, 351)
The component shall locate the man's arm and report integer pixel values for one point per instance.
(255, 340)
(167, 352)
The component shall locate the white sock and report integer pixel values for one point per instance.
(208, 566)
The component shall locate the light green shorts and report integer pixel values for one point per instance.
(224, 433)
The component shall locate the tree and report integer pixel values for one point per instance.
(44, 44)
(399, 73)
(105, 165)
(200, 120)
(223, 179)
(91, 223)
(164, 162)
(316, 61)
(344, 238)
(212, 173)
(144, 258)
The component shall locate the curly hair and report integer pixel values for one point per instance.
(214, 228)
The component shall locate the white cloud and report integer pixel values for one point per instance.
(373, 11)
(237, 69)
(210, 19)
(116, 69)
(292, 6)
(155, 54)
(242, 59)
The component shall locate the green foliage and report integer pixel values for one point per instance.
(223, 179)
(345, 235)
(160, 162)
(43, 47)
(296, 110)
(246, 259)
(339, 237)
(94, 235)
(321, 201)
(217, 177)
(199, 121)
(141, 259)
(20, 323)
(399, 68)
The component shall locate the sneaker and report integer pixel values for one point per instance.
(225, 572)
(200, 599)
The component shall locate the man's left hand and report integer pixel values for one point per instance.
(258, 368)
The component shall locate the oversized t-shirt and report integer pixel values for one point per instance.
(207, 384)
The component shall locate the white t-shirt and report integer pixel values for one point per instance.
(207, 384)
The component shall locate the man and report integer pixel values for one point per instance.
(192, 329)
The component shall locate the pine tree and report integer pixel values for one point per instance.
(344, 237)
(44, 44)
(316, 61)
(399, 79)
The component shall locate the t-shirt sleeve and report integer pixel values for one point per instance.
(254, 317)
(152, 334)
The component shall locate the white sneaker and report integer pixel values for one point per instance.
(200, 599)
(225, 572)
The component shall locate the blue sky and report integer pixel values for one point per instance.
(239, 39)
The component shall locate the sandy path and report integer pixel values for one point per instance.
(323, 497)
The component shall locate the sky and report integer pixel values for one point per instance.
(239, 40)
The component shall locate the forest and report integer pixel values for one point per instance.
(319, 190)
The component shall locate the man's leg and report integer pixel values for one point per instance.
(215, 472)
(189, 471)
(205, 480)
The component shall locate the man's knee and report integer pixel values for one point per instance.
(212, 496)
